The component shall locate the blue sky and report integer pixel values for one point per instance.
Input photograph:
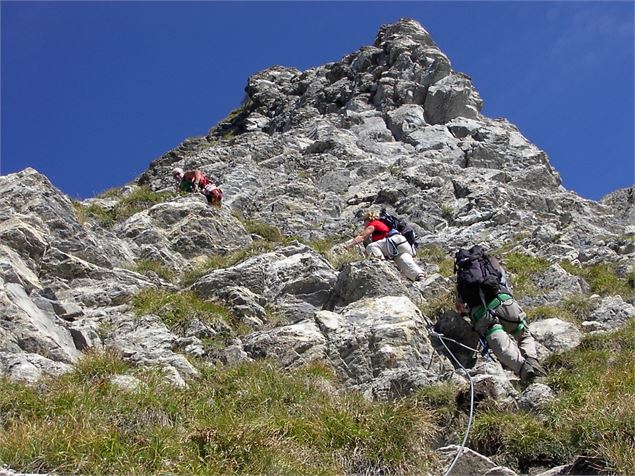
(94, 91)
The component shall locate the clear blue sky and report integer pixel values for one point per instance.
(93, 91)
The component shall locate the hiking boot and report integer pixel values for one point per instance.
(535, 365)
(531, 370)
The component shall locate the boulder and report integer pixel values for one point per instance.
(295, 281)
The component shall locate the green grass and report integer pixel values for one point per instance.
(214, 262)
(178, 309)
(438, 304)
(249, 419)
(447, 212)
(256, 419)
(435, 254)
(268, 232)
(153, 266)
(602, 279)
(140, 199)
(272, 239)
(592, 415)
(522, 268)
(574, 309)
(114, 192)
(340, 257)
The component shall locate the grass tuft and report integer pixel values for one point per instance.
(138, 200)
(522, 268)
(146, 266)
(602, 279)
(574, 309)
(438, 304)
(215, 262)
(178, 309)
(268, 232)
(435, 254)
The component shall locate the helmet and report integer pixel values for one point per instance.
(177, 171)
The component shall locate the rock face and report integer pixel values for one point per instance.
(379, 346)
(391, 125)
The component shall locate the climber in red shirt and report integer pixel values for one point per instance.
(195, 180)
(388, 244)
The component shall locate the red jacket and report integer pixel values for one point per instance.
(381, 230)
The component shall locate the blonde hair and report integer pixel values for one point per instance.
(371, 215)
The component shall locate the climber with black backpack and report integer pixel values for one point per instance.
(402, 227)
(482, 292)
(387, 243)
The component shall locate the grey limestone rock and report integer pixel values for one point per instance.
(127, 383)
(536, 397)
(294, 280)
(369, 278)
(378, 345)
(470, 462)
(389, 125)
(146, 341)
(556, 335)
(611, 313)
(187, 226)
(622, 202)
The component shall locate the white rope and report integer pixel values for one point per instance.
(436, 334)
(469, 422)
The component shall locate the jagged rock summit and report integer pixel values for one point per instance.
(390, 125)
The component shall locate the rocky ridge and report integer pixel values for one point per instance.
(390, 125)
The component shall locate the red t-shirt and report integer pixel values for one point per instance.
(381, 230)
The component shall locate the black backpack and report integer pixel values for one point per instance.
(401, 226)
(477, 279)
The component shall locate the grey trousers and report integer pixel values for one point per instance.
(404, 258)
(507, 333)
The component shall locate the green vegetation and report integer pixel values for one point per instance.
(437, 255)
(441, 400)
(255, 419)
(510, 244)
(344, 257)
(602, 279)
(268, 232)
(522, 268)
(224, 261)
(138, 200)
(574, 309)
(250, 419)
(438, 304)
(145, 266)
(337, 257)
(178, 309)
(447, 212)
(114, 192)
(272, 239)
(592, 415)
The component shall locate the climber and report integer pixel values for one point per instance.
(195, 180)
(190, 181)
(387, 244)
(482, 293)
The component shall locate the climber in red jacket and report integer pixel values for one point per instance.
(194, 181)
(388, 244)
